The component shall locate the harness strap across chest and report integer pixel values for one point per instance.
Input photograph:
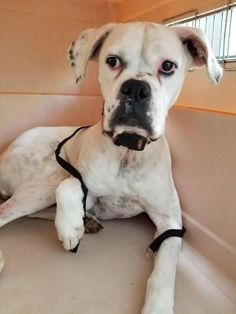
(69, 168)
(154, 246)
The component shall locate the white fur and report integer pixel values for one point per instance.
(121, 182)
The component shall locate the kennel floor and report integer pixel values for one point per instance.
(107, 275)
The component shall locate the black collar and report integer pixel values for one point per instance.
(131, 141)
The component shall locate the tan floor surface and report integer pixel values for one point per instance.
(107, 276)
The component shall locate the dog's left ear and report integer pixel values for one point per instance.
(197, 46)
(86, 47)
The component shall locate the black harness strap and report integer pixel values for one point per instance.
(154, 246)
(69, 168)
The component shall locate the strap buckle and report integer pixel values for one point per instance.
(149, 253)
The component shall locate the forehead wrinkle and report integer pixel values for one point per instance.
(160, 44)
(143, 44)
(140, 51)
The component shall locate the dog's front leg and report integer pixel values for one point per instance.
(160, 287)
(69, 214)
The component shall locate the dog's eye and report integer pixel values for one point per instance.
(168, 67)
(114, 62)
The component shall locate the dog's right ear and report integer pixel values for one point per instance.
(198, 49)
(86, 47)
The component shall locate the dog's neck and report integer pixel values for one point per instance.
(124, 145)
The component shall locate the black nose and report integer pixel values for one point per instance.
(135, 90)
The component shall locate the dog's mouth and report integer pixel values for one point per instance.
(132, 133)
(131, 140)
(130, 128)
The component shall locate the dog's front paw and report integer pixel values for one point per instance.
(69, 234)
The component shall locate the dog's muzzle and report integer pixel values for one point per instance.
(134, 98)
(134, 106)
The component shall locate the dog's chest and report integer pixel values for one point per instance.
(112, 176)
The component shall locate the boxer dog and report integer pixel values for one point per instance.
(123, 160)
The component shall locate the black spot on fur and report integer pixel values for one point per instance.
(71, 55)
(78, 79)
(217, 78)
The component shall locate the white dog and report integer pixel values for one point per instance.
(124, 159)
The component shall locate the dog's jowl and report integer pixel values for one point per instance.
(124, 159)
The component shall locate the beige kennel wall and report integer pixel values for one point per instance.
(203, 148)
(37, 86)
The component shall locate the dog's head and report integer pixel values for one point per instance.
(142, 67)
